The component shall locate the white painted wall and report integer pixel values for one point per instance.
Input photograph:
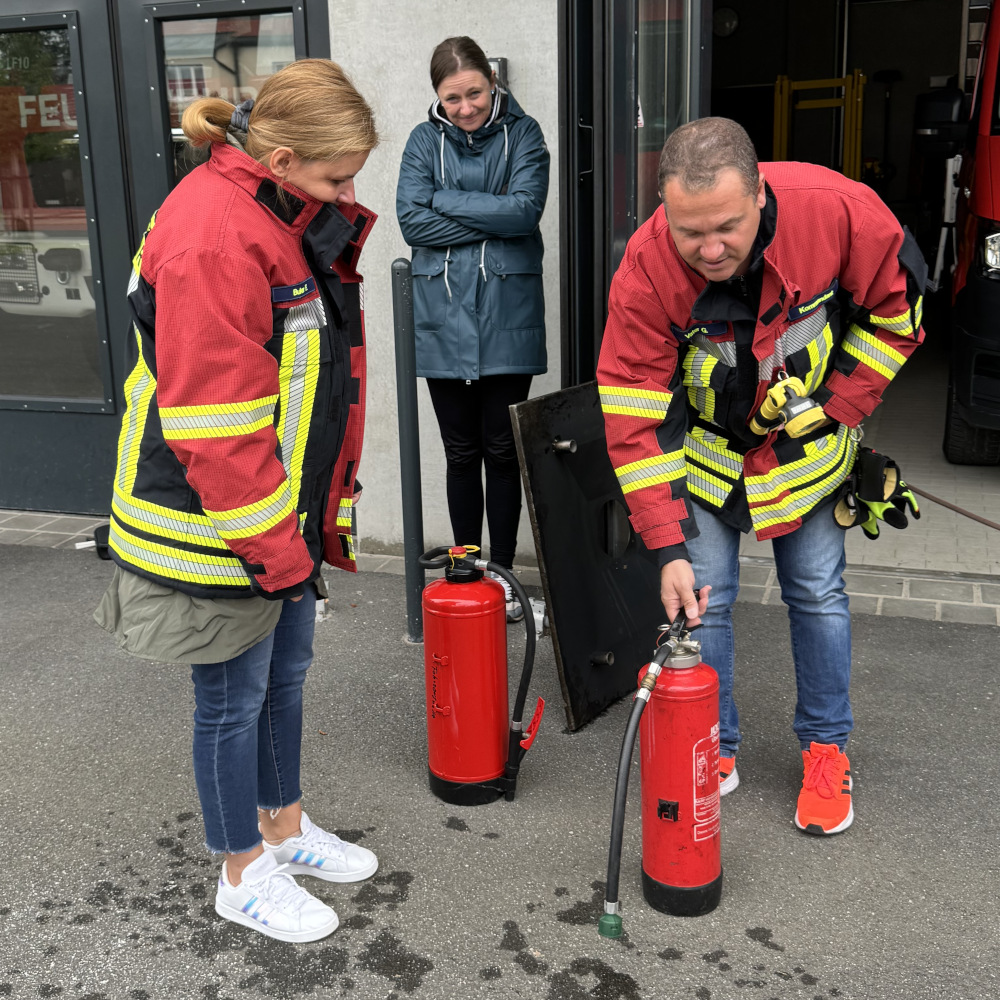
(385, 46)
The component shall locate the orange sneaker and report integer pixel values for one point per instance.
(825, 805)
(728, 778)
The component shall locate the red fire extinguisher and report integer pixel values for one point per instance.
(679, 773)
(474, 753)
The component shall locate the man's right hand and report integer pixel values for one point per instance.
(677, 591)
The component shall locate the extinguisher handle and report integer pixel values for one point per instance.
(435, 558)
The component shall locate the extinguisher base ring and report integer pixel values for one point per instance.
(462, 793)
(682, 901)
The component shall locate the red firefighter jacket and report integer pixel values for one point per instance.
(840, 307)
(242, 434)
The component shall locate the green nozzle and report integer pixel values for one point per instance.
(610, 925)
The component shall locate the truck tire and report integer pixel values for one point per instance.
(964, 443)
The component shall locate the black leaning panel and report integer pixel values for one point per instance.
(601, 584)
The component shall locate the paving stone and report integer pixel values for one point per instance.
(900, 608)
(972, 615)
(29, 521)
(51, 539)
(755, 575)
(16, 536)
(871, 583)
(990, 592)
(864, 604)
(751, 594)
(943, 590)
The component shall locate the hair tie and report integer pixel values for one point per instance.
(241, 115)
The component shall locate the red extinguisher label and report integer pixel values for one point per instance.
(706, 786)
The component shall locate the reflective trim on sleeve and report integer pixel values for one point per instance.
(631, 402)
(651, 471)
(871, 351)
(902, 325)
(254, 518)
(217, 419)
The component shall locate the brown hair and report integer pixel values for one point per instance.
(456, 54)
(696, 152)
(310, 106)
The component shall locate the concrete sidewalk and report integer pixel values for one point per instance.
(107, 891)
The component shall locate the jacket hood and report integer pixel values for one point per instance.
(505, 111)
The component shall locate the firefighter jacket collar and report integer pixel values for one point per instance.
(293, 208)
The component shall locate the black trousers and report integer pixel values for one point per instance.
(476, 431)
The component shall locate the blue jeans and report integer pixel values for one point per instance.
(810, 565)
(248, 729)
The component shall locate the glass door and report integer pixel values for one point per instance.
(174, 53)
(62, 194)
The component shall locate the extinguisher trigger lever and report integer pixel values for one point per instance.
(529, 736)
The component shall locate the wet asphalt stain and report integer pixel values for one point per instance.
(168, 906)
(562, 891)
(763, 936)
(371, 895)
(584, 912)
(492, 836)
(670, 955)
(454, 823)
(353, 836)
(491, 972)
(387, 957)
(528, 959)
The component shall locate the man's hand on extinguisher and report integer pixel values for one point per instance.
(677, 591)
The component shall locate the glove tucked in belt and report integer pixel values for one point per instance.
(873, 492)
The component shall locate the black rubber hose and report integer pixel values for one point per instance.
(529, 643)
(621, 794)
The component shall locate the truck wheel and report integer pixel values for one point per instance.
(966, 444)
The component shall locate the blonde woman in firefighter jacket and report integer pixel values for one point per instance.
(740, 277)
(237, 461)
(472, 186)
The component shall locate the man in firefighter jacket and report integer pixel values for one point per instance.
(748, 275)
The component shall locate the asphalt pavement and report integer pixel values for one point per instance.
(107, 890)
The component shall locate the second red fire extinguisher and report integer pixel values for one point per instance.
(679, 740)
(473, 752)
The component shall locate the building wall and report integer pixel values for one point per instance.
(386, 45)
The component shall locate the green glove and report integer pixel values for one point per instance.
(874, 492)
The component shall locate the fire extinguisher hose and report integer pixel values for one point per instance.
(516, 749)
(610, 923)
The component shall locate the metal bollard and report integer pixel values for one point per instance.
(409, 445)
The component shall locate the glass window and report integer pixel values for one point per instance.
(48, 320)
(663, 89)
(227, 57)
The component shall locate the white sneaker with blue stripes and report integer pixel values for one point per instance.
(316, 852)
(269, 900)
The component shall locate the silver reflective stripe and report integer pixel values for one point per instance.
(724, 351)
(654, 407)
(668, 468)
(702, 484)
(132, 417)
(232, 418)
(171, 563)
(305, 316)
(280, 502)
(164, 519)
(701, 448)
(863, 346)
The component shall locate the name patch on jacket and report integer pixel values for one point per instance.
(797, 312)
(717, 329)
(287, 295)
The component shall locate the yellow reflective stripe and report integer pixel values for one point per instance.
(902, 325)
(631, 402)
(818, 461)
(344, 519)
(871, 351)
(819, 353)
(705, 485)
(139, 389)
(164, 522)
(698, 368)
(791, 507)
(137, 259)
(254, 518)
(175, 564)
(298, 374)
(215, 420)
(710, 449)
(651, 471)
